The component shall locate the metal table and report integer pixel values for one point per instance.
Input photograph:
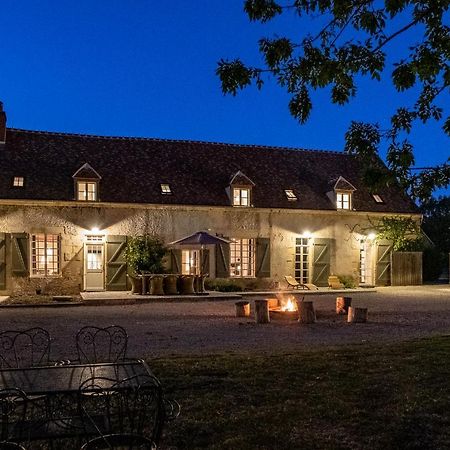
(59, 387)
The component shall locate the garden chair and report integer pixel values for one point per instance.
(95, 344)
(25, 348)
(293, 283)
(334, 283)
(129, 413)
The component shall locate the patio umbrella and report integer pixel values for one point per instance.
(201, 238)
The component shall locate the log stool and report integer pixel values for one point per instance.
(357, 315)
(170, 284)
(306, 313)
(242, 309)
(262, 311)
(342, 304)
(187, 285)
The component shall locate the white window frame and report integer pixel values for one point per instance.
(344, 200)
(18, 181)
(190, 262)
(165, 189)
(377, 198)
(86, 191)
(45, 251)
(243, 258)
(239, 199)
(290, 194)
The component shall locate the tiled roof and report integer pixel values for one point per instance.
(132, 170)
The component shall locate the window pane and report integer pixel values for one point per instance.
(45, 254)
(242, 258)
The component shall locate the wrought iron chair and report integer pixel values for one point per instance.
(21, 417)
(11, 446)
(95, 344)
(129, 412)
(25, 348)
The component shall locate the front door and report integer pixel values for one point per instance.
(94, 275)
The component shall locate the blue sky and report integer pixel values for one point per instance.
(146, 68)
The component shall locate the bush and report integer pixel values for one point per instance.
(145, 253)
(348, 281)
(222, 285)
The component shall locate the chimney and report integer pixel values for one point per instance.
(2, 124)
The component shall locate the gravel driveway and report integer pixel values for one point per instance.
(204, 327)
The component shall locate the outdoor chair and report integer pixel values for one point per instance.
(95, 344)
(130, 411)
(293, 283)
(25, 348)
(11, 446)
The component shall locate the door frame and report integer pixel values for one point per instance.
(94, 239)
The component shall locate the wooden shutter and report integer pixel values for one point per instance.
(116, 266)
(2, 261)
(321, 261)
(205, 262)
(19, 254)
(383, 266)
(222, 260)
(175, 260)
(263, 257)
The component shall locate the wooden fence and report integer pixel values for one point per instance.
(406, 268)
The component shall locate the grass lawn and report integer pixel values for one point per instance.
(355, 397)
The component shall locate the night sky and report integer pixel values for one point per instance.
(146, 68)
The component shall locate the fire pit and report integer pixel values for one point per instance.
(283, 308)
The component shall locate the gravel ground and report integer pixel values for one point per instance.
(205, 327)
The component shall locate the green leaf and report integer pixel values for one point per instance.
(234, 75)
(262, 10)
(446, 126)
(300, 105)
(403, 77)
(275, 51)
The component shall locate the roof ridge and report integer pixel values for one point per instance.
(134, 138)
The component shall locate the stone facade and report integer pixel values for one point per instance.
(73, 221)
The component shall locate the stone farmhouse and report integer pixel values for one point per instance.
(68, 202)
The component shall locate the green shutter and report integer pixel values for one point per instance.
(263, 257)
(2, 261)
(19, 254)
(175, 260)
(383, 267)
(205, 262)
(321, 261)
(222, 260)
(116, 266)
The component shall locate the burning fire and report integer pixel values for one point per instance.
(290, 305)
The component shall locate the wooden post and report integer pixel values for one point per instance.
(342, 304)
(357, 315)
(262, 311)
(306, 313)
(242, 309)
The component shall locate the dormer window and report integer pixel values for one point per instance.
(290, 194)
(87, 191)
(86, 180)
(241, 197)
(377, 198)
(240, 190)
(18, 182)
(165, 189)
(343, 191)
(343, 200)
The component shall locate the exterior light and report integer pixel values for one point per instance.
(95, 229)
(307, 234)
(371, 236)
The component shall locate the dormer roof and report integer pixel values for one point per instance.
(87, 172)
(240, 179)
(343, 185)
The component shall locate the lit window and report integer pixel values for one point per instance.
(343, 200)
(87, 191)
(18, 182)
(242, 258)
(241, 197)
(190, 262)
(165, 189)
(377, 198)
(290, 195)
(45, 255)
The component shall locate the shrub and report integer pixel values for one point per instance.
(433, 263)
(348, 281)
(145, 253)
(222, 285)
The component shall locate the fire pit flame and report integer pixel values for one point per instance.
(289, 305)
